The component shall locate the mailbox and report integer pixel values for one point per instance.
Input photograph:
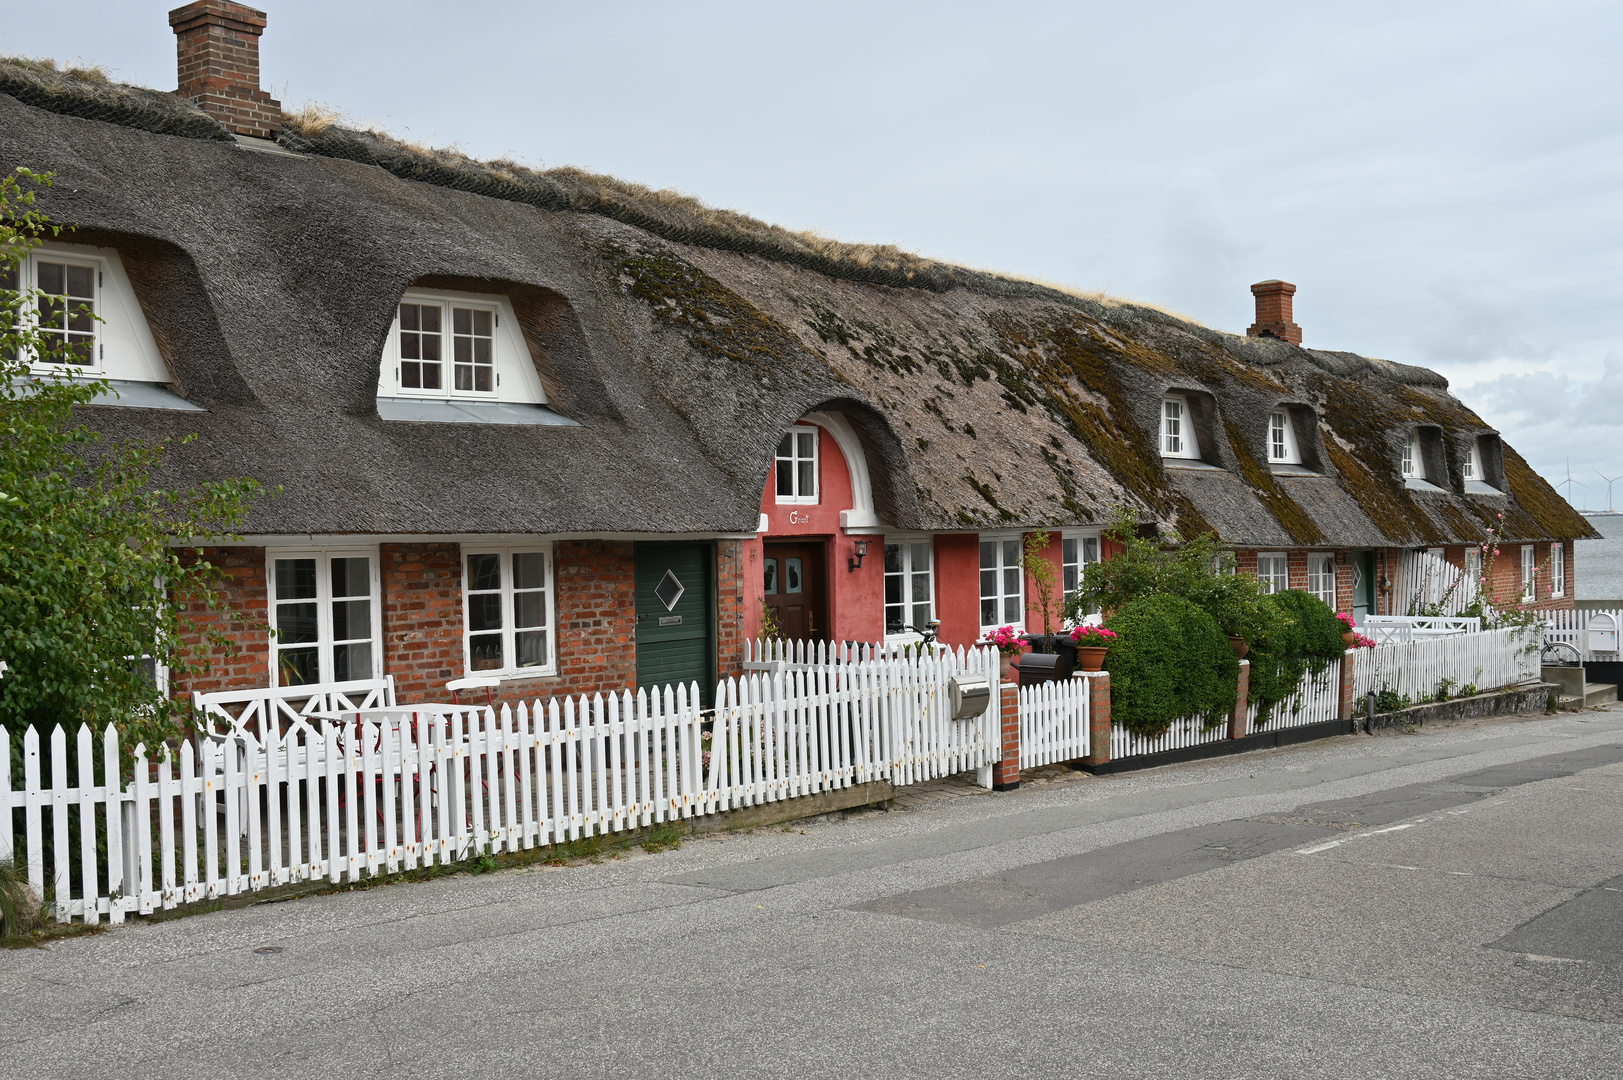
(1602, 632)
(969, 696)
(1038, 668)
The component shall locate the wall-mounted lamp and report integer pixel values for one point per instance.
(862, 553)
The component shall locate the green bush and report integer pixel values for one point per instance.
(1171, 660)
(1299, 634)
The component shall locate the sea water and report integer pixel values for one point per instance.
(1599, 563)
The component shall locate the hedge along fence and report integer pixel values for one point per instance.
(1170, 661)
(1301, 637)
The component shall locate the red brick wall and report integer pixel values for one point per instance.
(422, 618)
(733, 597)
(597, 618)
(244, 619)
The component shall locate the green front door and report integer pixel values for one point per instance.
(676, 637)
(1363, 563)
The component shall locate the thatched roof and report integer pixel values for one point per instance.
(682, 340)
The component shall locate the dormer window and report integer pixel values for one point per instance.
(1177, 434)
(1413, 467)
(1472, 467)
(458, 347)
(1282, 447)
(796, 465)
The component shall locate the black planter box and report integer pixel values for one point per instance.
(1064, 649)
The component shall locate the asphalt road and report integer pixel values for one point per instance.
(1445, 904)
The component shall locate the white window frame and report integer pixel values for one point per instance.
(1282, 447)
(1558, 568)
(1177, 437)
(908, 572)
(1412, 466)
(1473, 567)
(323, 600)
(512, 365)
(798, 497)
(1321, 576)
(1078, 549)
(1473, 462)
(1002, 569)
(1282, 563)
(510, 670)
(1529, 572)
(123, 348)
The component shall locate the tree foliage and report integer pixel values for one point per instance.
(1170, 660)
(89, 579)
(1300, 635)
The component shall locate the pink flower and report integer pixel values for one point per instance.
(1093, 636)
(1346, 619)
(1496, 553)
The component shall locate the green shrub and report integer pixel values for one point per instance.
(1171, 660)
(1299, 635)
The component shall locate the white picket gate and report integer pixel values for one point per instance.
(1489, 660)
(1055, 721)
(380, 790)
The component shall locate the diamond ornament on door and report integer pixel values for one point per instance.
(669, 590)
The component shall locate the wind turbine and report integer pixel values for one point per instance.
(1610, 480)
(1569, 481)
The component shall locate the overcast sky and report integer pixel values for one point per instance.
(1440, 180)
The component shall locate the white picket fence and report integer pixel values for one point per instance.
(279, 799)
(1317, 699)
(1488, 660)
(1596, 635)
(1055, 721)
(1396, 629)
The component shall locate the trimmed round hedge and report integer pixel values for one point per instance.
(1170, 661)
(1300, 635)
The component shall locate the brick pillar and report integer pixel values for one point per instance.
(1098, 719)
(1242, 703)
(1344, 708)
(1006, 773)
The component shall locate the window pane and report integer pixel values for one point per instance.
(531, 646)
(352, 662)
(791, 577)
(770, 574)
(988, 610)
(988, 554)
(481, 323)
(921, 557)
(1011, 610)
(1011, 580)
(804, 449)
(408, 318)
(295, 579)
(988, 582)
(482, 379)
(462, 350)
(351, 619)
(529, 570)
(351, 577)
(431, 318)
(893, 558)
(51, 277)
(786, 446)
(461, 321)
(921, 615)
(530, 609)
(484, 571)
(431, 346)
(808, 482)
(481, 351)
(893, 588)
(297, 667)
(296, 623)
(431, 376)
(1090, 550)
(81, 281)
(485, 652)
(786, 478)
(1011, 552)
(921, 588)
(485, 611)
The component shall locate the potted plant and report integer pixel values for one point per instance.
(1009, 642)
(1092, 642)
(1234, 601)
(1349, 633)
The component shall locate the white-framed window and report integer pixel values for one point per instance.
(1003, 593)
(1413, 467)
(507, 610)
(1282, 447)
(1558, 568)
(1321, 578)
(1076, 552)
(325, 616)
(1529, 572)
(909, 584)
(1472, 467)
(1177, 436)
(1273, 570)
(452, 345)
(86, 313)
(1473, 569)
(795, 465)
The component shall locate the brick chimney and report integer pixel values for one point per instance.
(217, 44)
(1274, 312)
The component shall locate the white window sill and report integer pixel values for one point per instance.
(520, 675)
(786, 500)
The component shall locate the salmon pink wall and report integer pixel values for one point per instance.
(958, 587)
(856, 597)
(1054, 553)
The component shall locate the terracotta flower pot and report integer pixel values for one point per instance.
(1240, 646)
(1349, 637)
(1092, 658)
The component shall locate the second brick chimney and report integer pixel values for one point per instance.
(217, 44)
(1274, 312)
